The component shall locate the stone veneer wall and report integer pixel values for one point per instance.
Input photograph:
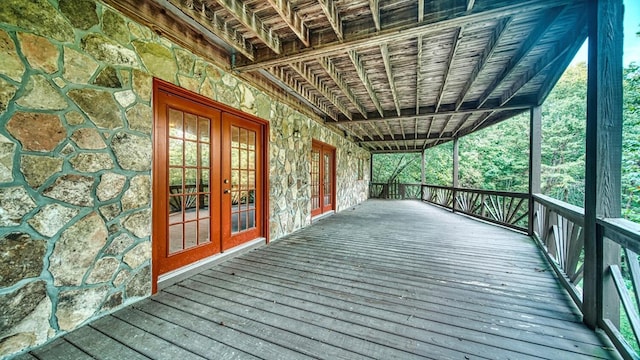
(75, 161)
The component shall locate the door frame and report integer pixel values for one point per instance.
(161, 86)
(324, 147)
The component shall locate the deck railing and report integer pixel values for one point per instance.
(394, 190)
(510, 209)
(559, 230)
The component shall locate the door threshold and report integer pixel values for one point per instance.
(175, 276)
(322, 216)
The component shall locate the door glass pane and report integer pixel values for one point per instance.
(203, 128)
(190, 127)
(204, 155)
(327, 179)
(175, 238)
(315, 179)
(175, 152)
(175, 123)
(243, 178)
(190, 233)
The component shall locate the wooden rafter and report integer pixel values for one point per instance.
(452, 55)
(335, 75)
(409, 137)
(492, 44)
(292, 18)
(377, 131)
(418, 74)
(470, 4)
(547, 21)
(461, 123)
(392, 136)
(333, 15)
(317, 83)
(362, 74)
(392, 84)
(401, 32)
(374, 5)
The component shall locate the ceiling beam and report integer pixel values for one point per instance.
(418, 74)
(331, 11)
(377, 131)
(317, 83)
(409, 137)
(452, 55)
(470, 4)
(335, 75)
(489, 49)
(461, 124)
(374, 5)
(486, 13)
(444, 127)
(400, 150)
(362, 74)
(392, 136)
(250, 21)
(292, 18)
(538, 32)
(426, 112)
(392, 84)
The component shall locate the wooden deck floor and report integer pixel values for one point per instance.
(387, 280)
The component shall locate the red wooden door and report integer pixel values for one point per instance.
(322, 178)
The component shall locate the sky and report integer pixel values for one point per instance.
(631, 40)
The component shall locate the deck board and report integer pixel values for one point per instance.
(385, 280)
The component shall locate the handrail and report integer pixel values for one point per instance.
(621, 231)
(482, 191)
(571, 212)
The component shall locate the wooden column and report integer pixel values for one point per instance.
(603, 156)
(423, 174)
(535, 159)
(455, 172)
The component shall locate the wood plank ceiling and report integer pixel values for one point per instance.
(396, 75)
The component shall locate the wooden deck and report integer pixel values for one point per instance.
(385, 280)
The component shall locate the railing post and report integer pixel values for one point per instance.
(423, 174)
(455, 174)
(603, 157)
(535, 160)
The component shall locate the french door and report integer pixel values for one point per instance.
(322, 178)
(208, 182)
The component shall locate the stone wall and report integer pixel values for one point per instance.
(75, 161)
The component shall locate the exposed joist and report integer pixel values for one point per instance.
(409, 137)
(249, 20)
(330, 10)
(374, 5)
(470, 4)
(489, 49)
(461, 123)
(392, 84)
(427, 112)
(317, 83)
(292, 18)
(487, 13)
(362, 74)
(377, 131)
(538, 32)
(419, 75)
(444, 127)
(433, 119)
(452, 55)
(335, 75)
(549, 58)
(402, 150)
(420, 11)
(392, 136)
(492, 118)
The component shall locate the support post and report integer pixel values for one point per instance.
(535, 160)
(423, 174)
(455, 173)
(603, 158)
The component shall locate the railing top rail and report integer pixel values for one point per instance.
(480, 191)
(384, 183)
(622, 231)
(571, 212)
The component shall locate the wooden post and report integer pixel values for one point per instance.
(603, 157)
(535, 160)
(455, 173)
(423, 174)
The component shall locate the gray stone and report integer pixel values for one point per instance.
(122, 276)
(74, 118)
(67, 150)
(81, 13)
(111, 211)
(21, 258)
(78, 67)
(119, 244)
(113, 301)
(40, 53)
(38, 169)
(15, 203)
(140, 118)
(110, 186)
(88, 138)
(138, 255)
(139, 223)
(108, 78)
(106, 50)
(7, 152)
(37, 16)
(99, 105)
(76, 250)
(138, 194)
(140, 284)
(10, 62)
(78, 306)
(7, 92)
(16, 305)
(91, 162)
(37, 132)
(32, 330)
(51, 218)
(132, 152)
(114, 26)
(103, 270)
(125, 98)
(41, 95)
(72, 189)
(157, 59)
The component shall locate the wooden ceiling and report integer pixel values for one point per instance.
(396, 75)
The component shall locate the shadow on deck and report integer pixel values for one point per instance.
(386, 280)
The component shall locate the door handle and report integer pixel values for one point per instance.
(227, 191)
